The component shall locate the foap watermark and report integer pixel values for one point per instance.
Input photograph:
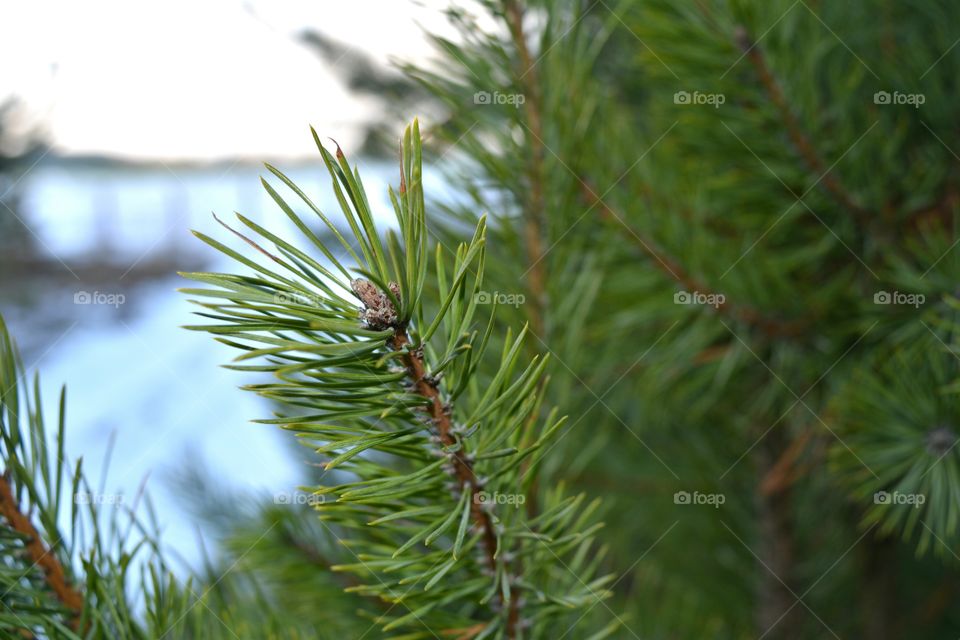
(896, 97)
(915, 500)
(287, 297)
(99, 298)
(696, 97)
(488, 297)
(915, 300)
(715, 300)
(97, 498)
(298, 497)
(486, 97)
(484, 497)
(697, 498)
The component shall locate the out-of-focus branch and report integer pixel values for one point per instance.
(776, 612)
(533, 230)
(41, 557)
(795, 132)
(770, 326)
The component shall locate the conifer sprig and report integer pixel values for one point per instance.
(71, 567)
(431, 442)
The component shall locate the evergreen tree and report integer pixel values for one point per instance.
(731, 225)
(737, 221)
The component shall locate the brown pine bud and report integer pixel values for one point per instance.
(378, 311)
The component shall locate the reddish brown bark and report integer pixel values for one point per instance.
(42, 557)
(463, 468)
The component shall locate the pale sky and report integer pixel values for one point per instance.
(197, 78)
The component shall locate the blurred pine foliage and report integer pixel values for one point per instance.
(730, 223)
(737, 221)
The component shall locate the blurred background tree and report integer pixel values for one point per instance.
(737, 221)
(394, 93)
(18, 152)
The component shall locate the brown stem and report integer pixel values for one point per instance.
(465, 633)
(777, 609)
(770, 326)
(42, 557)
(878, 597)
(937, 602)
(533, 227)
(940, 211)
(463, 468)
(785, 471)
(795, 132)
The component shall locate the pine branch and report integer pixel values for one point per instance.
(801, 141)
(534, 225)
(462, 466)
(53, 571)
(772, 327)
(419, 457)
(44, 596)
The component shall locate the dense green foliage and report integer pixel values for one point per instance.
(730, 223)
(737, 220)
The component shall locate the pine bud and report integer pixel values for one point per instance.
(378, 311)
(940, 441)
